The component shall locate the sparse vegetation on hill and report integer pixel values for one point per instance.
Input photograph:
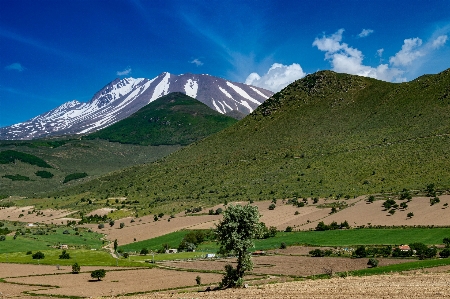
(326, 135)
(170, 120)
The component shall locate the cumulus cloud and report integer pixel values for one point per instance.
(15, 67)
(277, 77)
(345, 59)
(125, 72)
(365, 32)
(410, 51)
(197, 62)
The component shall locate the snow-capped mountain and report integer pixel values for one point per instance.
(121, 98)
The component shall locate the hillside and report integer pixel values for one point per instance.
(30, 167)
(174, 119)
(327, 134)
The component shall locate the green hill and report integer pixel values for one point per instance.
(24, 165)
(173, 119)
(327, 134)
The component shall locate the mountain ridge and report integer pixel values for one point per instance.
(122, 97)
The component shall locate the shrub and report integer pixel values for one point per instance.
(283, 245)
(434, 201)
(76, 268)
(44, 174)
(144, 251)
(101, 225)
(288, 229)
(373, 263)
(29, 252)
(445, 253)
(198, 280)
(126, 255)
(371, 199)
(38, 256)
(219, 211)
(360, 252)
(99, 274)
(317, 253)
(122, 225)
(410, 215)
(272, 206)
(2, 238)
(111, 223)
(64, 255)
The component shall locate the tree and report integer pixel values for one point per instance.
(272, 207)
(2, 238)
(115, 245)
(371, 199)
(38, 255)
(144, 251)
(122, 225)
(111, 223)
(410, 215)
(76, 268)
(446, 241)
(99, 274)
(101, 225)
(235, 233)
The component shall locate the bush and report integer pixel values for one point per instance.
(373, 263)
(219, 211)
(434, 201)
(2, 238)
(76, 268)
(144, 251)
(317, 253)
(360, 252)
(99, 274)
(64, 255)
(198, 280)
(272, 207)
(445, 253)
(111, 223)
(283, 245)
(288, 229)
(126, 255)
(29, 252)
(101, 225)
(38, 256)
(122, 225)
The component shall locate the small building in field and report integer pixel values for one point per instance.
(210, 255)
(63, 246)
(172, 250)
(259, 252)
(404, 248)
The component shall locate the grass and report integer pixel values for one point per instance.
(24, 243)
(325, 135)
(95, 157)
(154, 244)
(82, 257)
(415, 265)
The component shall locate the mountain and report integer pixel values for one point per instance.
(174, 119)
(328, 135)
(121, 98)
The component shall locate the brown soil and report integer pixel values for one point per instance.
(371, 287)
(287, 265)
(115, 282)
(49, 216)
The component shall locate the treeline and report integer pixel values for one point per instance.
(10, 156)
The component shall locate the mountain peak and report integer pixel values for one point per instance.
(120, 98)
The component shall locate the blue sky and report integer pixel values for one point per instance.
(54, 51)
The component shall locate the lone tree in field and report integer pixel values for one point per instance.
(76, 268)
(99, 274)
(235, 233)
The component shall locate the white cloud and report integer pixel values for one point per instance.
(277, 77)
(125, 72)
(380, 52)
(365, 32)
(15, 67)
(410, 51)
(197, 62)
(439, 41)
(345, 59)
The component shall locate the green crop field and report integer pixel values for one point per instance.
(154, 244)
